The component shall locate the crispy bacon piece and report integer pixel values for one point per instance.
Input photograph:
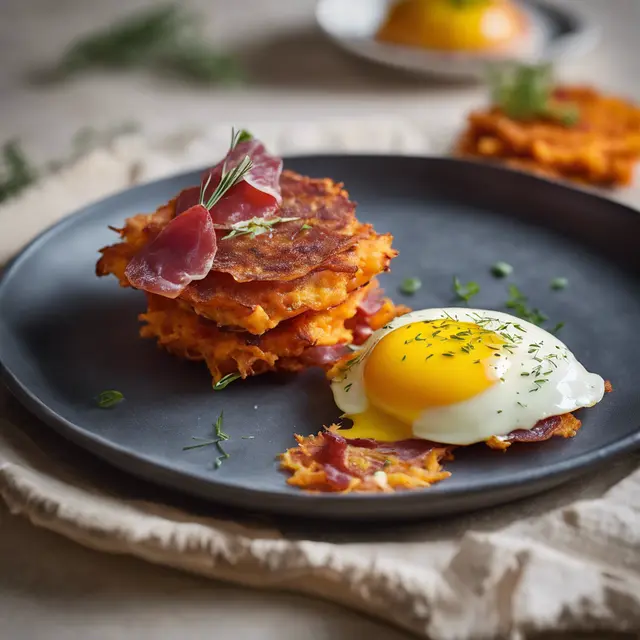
(258, 195)
(332, 462)
(183, 251)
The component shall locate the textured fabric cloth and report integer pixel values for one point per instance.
(568, 560)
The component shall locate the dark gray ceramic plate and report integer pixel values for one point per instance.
(66, 335)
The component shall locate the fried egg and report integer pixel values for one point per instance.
(459, 376)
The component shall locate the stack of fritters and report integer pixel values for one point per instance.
(289, 298)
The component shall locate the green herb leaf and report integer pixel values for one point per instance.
(16, 172)
(558, 284)
(410, 286)
(163, 39)
(557, 328)
(255, 226)
(525, 92)
(107, 399)
(225, 381)
(501, 269)
(465, 291)
(244, 136)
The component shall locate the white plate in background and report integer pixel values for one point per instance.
(556, 33)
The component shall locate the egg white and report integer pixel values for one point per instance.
(508, 404)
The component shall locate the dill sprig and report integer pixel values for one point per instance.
(525, 92)
(16, 172)
(162, 39)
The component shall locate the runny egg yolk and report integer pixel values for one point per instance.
(420, 366)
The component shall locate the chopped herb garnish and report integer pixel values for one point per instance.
(410, 286)
(429, 356)
(499, 411)
(501, 269)
(225, 381)
(107, 399)
(467, 291)
(558, 284)
(448, 355)
(557, 327)
(255, 226)
(518, 302)
(348, 387)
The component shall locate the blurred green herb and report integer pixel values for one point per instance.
(163, 39)
(525, 92)
(465, 291)
(501, 269)
(410, 286)
(16, 172)
(558, 284)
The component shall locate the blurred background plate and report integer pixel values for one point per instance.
(556, 33)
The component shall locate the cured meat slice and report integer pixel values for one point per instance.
(182, 252)
(257, 195)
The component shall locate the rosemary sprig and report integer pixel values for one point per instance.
(162, 39)
(16, 172)
(255, 226)
(525, 92)
(228, 179)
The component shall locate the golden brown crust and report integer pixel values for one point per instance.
(602, 149)
(185, 334)
(378, 471)
(259, 306)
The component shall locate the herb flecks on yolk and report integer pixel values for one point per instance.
(431, 364)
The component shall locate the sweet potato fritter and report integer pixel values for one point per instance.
(601, 149)
(185, 334)
(260, 305)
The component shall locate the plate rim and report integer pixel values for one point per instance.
(105, 449)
